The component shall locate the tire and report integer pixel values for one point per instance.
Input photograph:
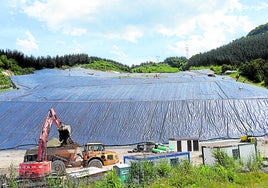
(58, 167)
(95, 163)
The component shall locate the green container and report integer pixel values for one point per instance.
(162, 148)
(122, 170)
(156, 150)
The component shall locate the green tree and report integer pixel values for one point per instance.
(178, 62)
(254, 70)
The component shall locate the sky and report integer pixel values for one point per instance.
(127, 31)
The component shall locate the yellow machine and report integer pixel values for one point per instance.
(246, 138)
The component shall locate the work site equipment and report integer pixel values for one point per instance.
(95, 155)
(38, 162)
(40, 165)
(247, 138)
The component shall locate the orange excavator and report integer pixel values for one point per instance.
(42, 166)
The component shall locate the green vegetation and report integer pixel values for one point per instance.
(254, 73)
(154, 68)
(235, 53)
(256, 70)
(110, 180)
(4, 82)
(216, 69)
(239, 78)
(169, 65)
(259, 30)
(60, 61)
(12, 67)
(12, 176)
(103, 65)
(179, 62)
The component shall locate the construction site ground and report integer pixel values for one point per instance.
(10, 159)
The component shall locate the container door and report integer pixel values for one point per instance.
(189, 145)
(196, 145)
(179, 146)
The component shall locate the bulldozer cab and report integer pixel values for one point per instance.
(94, 147)
(94, 154)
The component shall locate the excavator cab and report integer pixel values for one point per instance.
(30, 157)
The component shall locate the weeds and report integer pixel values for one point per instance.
(12, 182)
(111, 180)
(55, 182)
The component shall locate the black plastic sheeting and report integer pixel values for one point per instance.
(129, 111)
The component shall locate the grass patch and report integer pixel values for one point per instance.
(104, 66)
(216, 69)
(240, 78)
(154, 68)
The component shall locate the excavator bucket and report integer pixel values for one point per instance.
(65, 135)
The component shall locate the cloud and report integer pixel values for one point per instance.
(114, 15)
(29, 43)
(209, 28)
(62, 15)
(180, 30)
(130, 33)
(262, 6)
(117, 51)
(60, 42)
(16, 3)
(75, 31)
(199, 43)
(150, 27)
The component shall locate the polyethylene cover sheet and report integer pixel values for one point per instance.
(122, 109)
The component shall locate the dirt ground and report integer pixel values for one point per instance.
(10, 158)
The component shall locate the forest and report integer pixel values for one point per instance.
(92, 62)
(55, 62)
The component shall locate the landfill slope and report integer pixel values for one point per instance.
(120, 109)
